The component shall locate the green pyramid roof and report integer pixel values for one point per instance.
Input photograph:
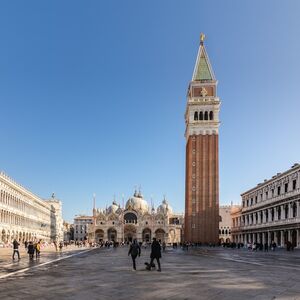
(203, 70)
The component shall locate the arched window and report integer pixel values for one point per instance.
(195, 116)
(206, 115)
(211, 115)
(222, 231)
(130, 218)
(201, 115)
(226, 231)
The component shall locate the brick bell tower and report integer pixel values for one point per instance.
(202, 157)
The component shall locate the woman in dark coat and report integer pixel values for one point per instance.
(134, 250)
(155, 253)
(30, 250)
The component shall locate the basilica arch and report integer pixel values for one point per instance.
(112, 234)
(146, 235)
(129, 233)
(172, 236)
(130, 217)
(99, 235)
(160, 234)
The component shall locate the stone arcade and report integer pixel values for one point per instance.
(270, 211)
(25, 216)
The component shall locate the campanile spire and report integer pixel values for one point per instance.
(202, 158)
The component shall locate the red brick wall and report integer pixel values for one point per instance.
(206, 195)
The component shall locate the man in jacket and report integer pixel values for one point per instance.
(134, 250)
(16, 249)
(155, 253)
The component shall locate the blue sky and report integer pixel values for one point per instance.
(93, 94)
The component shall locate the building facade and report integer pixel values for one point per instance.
(25, 216)
(225, 224)
(136, 221)
(81, 227)
(270, 211)
(68, 232)
(202, 157)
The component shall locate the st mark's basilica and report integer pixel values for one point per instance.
(137, 220)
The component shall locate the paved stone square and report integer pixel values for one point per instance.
(204, 273)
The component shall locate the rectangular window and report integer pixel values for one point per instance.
(255, 199)
(194, 226)
(294, 184)
(266, 195)
(278, 190)
(272, 192)
(251, 201)
(286, 186)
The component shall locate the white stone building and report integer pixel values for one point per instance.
(225, 224)
(81, 226)
(270, 211)
(136, 221)
(26, 216)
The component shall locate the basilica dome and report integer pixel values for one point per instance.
(165, 208)
(137, 203)
(113, 208)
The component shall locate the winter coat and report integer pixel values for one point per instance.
(134, 249)
(30, 249)
(155, 250)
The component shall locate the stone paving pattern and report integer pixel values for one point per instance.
(205, 273)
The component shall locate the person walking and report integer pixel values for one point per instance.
(16, 249)
(134, 251)
(61, 247)
(37, 249)
(155, 254)
(164, 246)
(30, 250)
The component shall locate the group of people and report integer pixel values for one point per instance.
(32, 248)
(135, 251)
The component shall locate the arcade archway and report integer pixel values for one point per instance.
(99, 235)
(160, 235)
(112, 234)
(146, 235)
(129, 233)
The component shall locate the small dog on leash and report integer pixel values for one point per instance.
(148, 266)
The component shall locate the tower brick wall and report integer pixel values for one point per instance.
(202, 154)
(202, 189)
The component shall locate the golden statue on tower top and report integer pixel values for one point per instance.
(202, 37)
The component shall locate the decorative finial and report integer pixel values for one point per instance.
(94, 201)
(202, 37)
(53, 196)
